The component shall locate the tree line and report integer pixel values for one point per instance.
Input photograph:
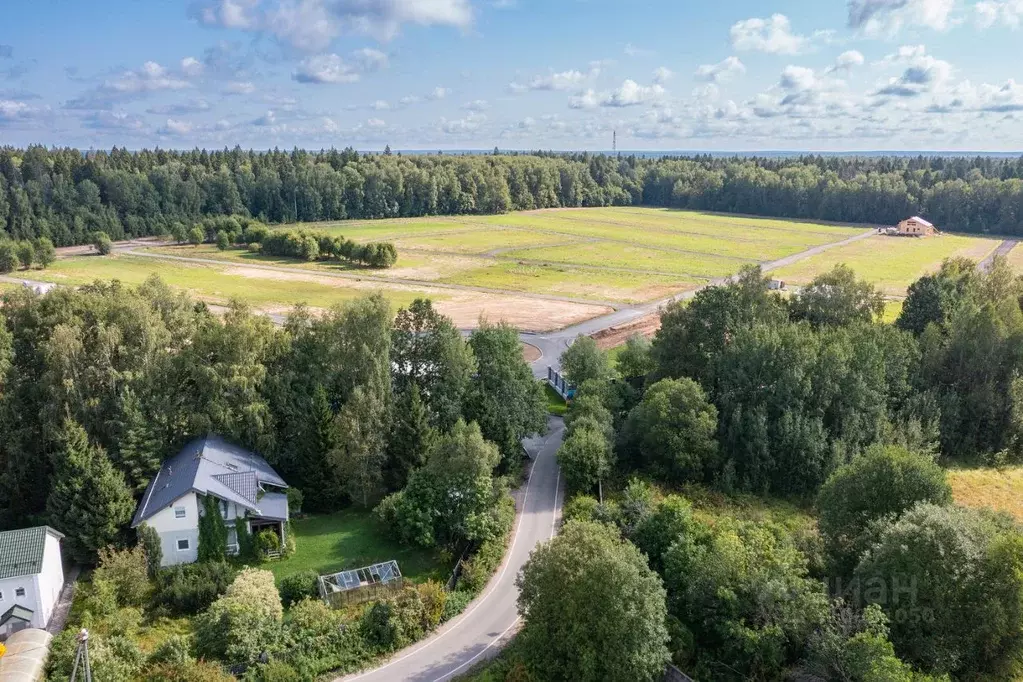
(66, 195)
(101, 383)
(814, 400)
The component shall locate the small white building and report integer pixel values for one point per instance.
(31, 577)
(246, 487)
(916, 227)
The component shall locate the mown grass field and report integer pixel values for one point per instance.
(352, 539)
(998, 489)
(891, 263)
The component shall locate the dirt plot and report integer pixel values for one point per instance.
(526, 314)
(615, 336)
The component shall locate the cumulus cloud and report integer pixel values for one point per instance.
(631, 94)
(175, 127)
(267, 119)
(880, 17)
(150, 78)
(375, 123)
(239, 88)
(312, 25)
(191, 67)
(663, 74)
(369, 59)
(380, 105)
(585, 100)
(923, 73)
(722, 71)
(560, 80)
(112, 120)
(438, 93)
(476, 105)
(847, 61)
(797, 78)
(772, 35)
(471, 122)
(1008, 13)
(11, 110)
(325, 68)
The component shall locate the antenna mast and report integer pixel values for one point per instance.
(614, 142)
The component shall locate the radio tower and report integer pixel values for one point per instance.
(614, 142)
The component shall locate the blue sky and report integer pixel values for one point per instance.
(518, 74)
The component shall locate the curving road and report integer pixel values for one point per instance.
(478, 633)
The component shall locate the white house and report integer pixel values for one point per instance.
(31, 577)
(246, 488)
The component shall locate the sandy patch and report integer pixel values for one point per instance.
(438, 267)
(530, 353)
(616, 336)
(527, 314)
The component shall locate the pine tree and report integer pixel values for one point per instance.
(313, 471)
(89, 501)
(138, 455)
(411, 437)
(212, 532)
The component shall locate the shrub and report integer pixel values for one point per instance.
(45, 252)
(395, 623)
(127, 571)
(244, 622)
(255, 233)
(671, 520)
(196, 235)
(101, 242)
(191, 671)
(212, 532)
(223, 240)
(175, 650)
(476, 571)
(276, 671)
(580, 508)
(266, 541)
(295, 588)
(192, 588)
(455, 603)
(255, 247)
(879, 485)
(295, 499)
(434, 598)
(149, 540)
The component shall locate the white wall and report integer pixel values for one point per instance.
(29, 601)
(171, 529)
(51, 580)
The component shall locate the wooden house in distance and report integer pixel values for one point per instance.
(916, 227)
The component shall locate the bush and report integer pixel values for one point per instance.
(175, 650)
(295, 499)
(149, 540)
(196, 235)
(455, 603)
(255, 247)
(580, 508)
(45, 252)
(191, 671)
(187, 590)
(295, 588)
(212, 532)
(476, 571)
(244, 623)
(266, 541)
(127, 571)
(956, 608)
(26, 254)
(223, 240)
(276, 671)
(101, 242)
(877, 486)
(434, 598)
(395, 623)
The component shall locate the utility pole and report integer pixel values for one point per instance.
(82, 658)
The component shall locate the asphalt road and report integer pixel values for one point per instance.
(488, 621)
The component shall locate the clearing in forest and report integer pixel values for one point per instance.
(998, 489)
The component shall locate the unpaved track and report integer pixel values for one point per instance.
(1003, 249)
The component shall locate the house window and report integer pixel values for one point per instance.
(179, 512)
(223, 508)
(183, 545)
(19, 592)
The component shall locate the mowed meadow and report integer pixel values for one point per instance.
(538, 270)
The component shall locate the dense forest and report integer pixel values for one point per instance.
(676, 459)
(67, 195)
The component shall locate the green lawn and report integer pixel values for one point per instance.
(555, 403)
(479, 241)
(352, 539)
(616, 255)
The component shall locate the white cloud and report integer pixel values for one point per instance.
(470, 123)
(312, 25)
(175, 127)
(409, 99)
(380, 105)
(923, 73)
(239, 88)
(191, 67)
(150, 78)
(267, 119)
(888, 17)
(663, 74)
(561, 80)
(375, 123)
(584, 100)
(325, 68)
(722, 71)
(773, 35)
(1008, 13)
(112, 120)
(633, 51)
(630, 94)
(846, 61)
(438, 93)
(797, 78)
(476, 105)
(190, 107)
(11, 109)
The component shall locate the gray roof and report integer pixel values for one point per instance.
(209, 466)
(17, 611)
(21, 551)
(274, 506)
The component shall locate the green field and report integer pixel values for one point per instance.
(353, 539)
(215, 284)
(891, 263)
